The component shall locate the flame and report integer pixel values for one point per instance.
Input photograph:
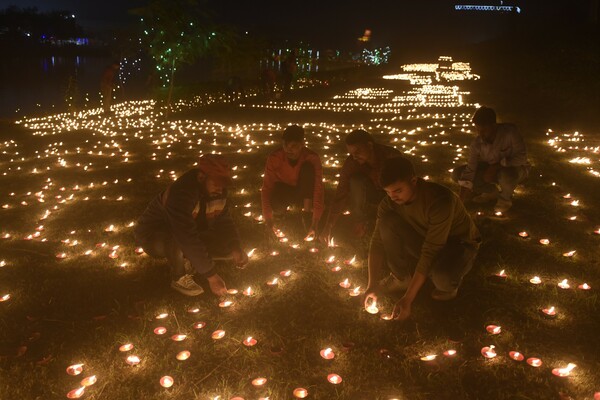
(251, 252)
(331, 242)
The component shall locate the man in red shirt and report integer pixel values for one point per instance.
(293, 175)
(359, 181)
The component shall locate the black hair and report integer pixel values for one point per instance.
(396, 169)
(293, 133)
(359, 136)
(484, 116)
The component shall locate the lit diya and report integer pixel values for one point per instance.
(345, 283)
(178, 337)
(166, 381)
(450, 353)
(249, 341)
(327, 354)
(534, 362)
(493, 329)
(183, 355)
(126, 347)
(300, 393)
(535, 280)
(76, 393)
(566, 371)
(161, 330)
(350, 261)
(549, 312)
(199, 325)
(334, 378)
(569, 253)
(429, 357)
(273, 282)
(89, 381)
(524, 234)
(286, 273)
(218, 334)
(515, 355)
(584, 286)
(386, 317)
(74, 369)
(488, 351)
(545, 242)
(257, 382)
(248, 292)
(132, 360)
(225, 304)
(354, 292)
(502, 274)
(372, 308)
(564, 284)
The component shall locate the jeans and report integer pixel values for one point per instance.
(283, 194)
(162, 244)
(508, 178)
(363, 193)
(403, 244)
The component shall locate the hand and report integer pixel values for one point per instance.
(370, 296)
(239, 257)
(217, 285)
(402, 309)
(490, 175)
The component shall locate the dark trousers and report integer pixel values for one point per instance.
(508, 179)
(403, 248)
(284, 195)
(162, 244)
(364, 197)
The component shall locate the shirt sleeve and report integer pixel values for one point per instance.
(518, 154)
(468, 175)
(179, 206)
(267, 188)
(440, 215)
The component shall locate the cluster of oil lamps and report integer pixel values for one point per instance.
(115, 140)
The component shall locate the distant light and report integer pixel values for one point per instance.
(72, 15)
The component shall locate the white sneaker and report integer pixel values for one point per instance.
(186, 285)
(502, 205)
(391, 284)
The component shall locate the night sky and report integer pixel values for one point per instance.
(334, 23)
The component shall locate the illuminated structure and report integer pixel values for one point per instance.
(482, 7)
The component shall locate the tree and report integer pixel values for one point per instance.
(178, 32)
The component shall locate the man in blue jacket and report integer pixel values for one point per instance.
(191, 220)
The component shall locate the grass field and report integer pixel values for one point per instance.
(73, 185)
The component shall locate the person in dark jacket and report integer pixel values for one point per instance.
(358, 184)
(190, 220)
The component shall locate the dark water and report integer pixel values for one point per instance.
(38, 85)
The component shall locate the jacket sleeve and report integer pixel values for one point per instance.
(440, 216)
(468, 175)
(267, 188)
(179, 206)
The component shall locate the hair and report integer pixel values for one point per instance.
(359, 136)
(484, 116)
(396, 169)
(293, 133)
